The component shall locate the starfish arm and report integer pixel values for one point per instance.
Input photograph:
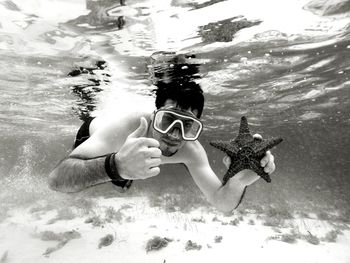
(232, 170)
(256, 167)
(244, 128)
(243, 139)
(266, 145)
(246, 151)
(226, 147)
(266, 177)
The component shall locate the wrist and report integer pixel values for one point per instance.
(240, 187)
(238, 182)
(245, 178)
(111, 168)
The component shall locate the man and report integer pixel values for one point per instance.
(136, 145)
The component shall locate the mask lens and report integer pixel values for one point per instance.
(191, 128)
(166, 119)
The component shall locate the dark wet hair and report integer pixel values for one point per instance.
(186, 94)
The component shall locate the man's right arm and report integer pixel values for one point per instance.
(75, 174)
(136, 157)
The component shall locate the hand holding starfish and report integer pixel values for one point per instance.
(248, 152)
(248, 177)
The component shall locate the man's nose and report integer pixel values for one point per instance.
(175, 132)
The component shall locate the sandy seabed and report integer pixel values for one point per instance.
(129, 230)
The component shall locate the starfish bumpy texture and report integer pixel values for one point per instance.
(246, 152)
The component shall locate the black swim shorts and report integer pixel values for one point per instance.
(83, 133)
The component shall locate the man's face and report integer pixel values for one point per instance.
(172, 141)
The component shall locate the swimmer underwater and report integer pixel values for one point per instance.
(134, 146)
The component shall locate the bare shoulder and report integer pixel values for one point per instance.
(113, 120)
(112, 126)
(108, 134)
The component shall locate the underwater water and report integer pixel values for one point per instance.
(283, 64)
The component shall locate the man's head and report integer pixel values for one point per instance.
(187, 95)
(183, 102)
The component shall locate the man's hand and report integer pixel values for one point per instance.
(139, 157)
(247, 177)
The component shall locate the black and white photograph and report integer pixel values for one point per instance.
(174, 131)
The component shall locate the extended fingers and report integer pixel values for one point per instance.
(149, 142)
(154, 162)
(153, 172)
(268, 156)
(270, 168)
(154, 152)
(151, 152)
(268, 162)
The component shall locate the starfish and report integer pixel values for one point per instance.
(246, 152)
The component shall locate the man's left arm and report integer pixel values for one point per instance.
(224, 197)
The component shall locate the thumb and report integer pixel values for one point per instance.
(141, 131)
(257, 136)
